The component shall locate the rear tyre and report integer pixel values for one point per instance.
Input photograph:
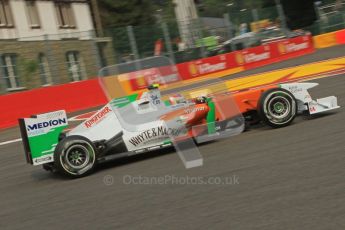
(75, 156)
(277, 107)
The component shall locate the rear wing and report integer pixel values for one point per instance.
(40, 135)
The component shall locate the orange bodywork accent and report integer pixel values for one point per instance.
(192, 115)
(248, 100)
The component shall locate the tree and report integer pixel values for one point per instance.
(123, 13)
(299, 14)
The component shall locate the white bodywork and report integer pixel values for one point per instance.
(305, 101)
(138, 122)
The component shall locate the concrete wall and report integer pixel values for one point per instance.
(48, 20)
(55, 51)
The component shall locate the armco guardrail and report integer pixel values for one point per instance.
(87, 94)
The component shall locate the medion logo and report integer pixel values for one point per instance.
(98, 117)
(46, 124)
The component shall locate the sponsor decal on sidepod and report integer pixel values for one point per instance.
(155, 133)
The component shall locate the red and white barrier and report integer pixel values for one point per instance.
(248, 58)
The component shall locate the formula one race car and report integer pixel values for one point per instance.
(145, 121)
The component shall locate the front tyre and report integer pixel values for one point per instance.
(277, 107)
(75, 156)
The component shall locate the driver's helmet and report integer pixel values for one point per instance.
(200, 100)
(177, 99)
(153, 86)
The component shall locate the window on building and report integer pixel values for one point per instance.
(9, 70)
(65, 15)
(32, 13)
(44, 70)
(75, 66)
(6, 19)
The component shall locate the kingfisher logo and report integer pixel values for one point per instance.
(46, 124)
(97, 118)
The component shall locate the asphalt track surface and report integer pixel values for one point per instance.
(290, 178)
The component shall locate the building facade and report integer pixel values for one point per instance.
(47, 42)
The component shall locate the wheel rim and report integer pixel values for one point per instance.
(279, 107)
(78, 158)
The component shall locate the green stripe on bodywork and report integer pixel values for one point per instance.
(45, 144)
(211, 117)
(167, 142)
(123, 101)
(167, 103)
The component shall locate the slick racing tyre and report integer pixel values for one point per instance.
(277, 107)
(75, 156)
